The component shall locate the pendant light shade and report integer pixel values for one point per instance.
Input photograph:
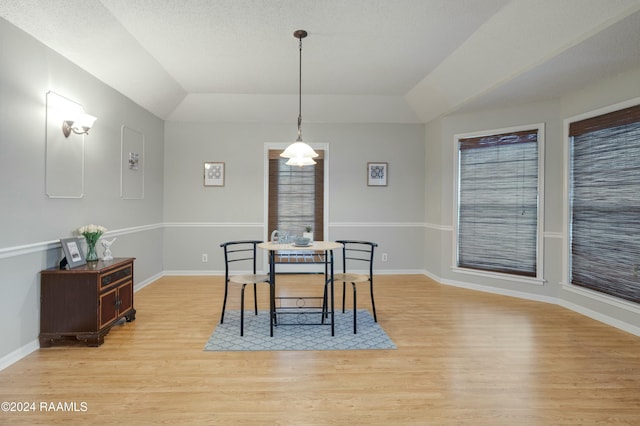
(299, 149)
(300, 161)
(299, 153)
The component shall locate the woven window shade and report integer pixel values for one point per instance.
(296, 196)
(498, 203)
(605, 203)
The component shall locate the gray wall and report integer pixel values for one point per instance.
(200, 218)
(439, 215)
(31, 224)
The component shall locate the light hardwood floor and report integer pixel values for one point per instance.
(463, 357)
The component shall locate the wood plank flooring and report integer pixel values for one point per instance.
(463, 358)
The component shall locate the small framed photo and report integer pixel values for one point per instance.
(213, 174)
(377, 174)
(72, 252)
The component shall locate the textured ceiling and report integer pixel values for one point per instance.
(363, 61)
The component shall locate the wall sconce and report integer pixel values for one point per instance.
(74, 119)
(79, 124)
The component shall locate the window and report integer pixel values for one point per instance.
(296, 196)
(498, 185)
(605, 203)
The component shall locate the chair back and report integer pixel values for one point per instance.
(357, 254)
(238, 254)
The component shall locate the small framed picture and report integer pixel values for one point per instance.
(72, 251)
(213, 174)
(377, 174)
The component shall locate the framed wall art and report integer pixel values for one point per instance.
(131, 164)
(213, 174)
(377, 174)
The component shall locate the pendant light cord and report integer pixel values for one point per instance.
(300, 94)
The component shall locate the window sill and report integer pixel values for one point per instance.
(499, 276)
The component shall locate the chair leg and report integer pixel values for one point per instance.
(271, 310)
(242, 310)
(343, 294)
(273, 304)
(373, 303)
(355, 309)
(255, 298)
(325, 304)
(224, 301)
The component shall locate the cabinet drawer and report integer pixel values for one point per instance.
(125, 272)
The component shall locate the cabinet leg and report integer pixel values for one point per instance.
(92, 340)
(95, 342)
(131, 316)
(45, 342)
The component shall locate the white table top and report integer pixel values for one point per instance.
(316, 245)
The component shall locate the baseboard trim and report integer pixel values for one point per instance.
(18, 354)
(605, 319)
(150, 280)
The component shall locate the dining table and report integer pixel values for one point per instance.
(316, 251)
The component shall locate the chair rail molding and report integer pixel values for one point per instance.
(377, 224)
(7, 252)
(214, 225)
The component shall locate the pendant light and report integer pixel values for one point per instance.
(299, 153)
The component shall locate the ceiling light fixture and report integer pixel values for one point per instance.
(299, 153)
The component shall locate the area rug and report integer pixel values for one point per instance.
(297, 337)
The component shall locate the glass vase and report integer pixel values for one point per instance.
(92, 254)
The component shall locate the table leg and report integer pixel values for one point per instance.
(332, 304)
(272, 291)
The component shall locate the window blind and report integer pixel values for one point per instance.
(296, 196)
(498, 203)
(605, 203)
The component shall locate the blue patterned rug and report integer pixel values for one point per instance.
(290, 337)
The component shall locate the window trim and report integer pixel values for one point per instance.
(566, 252)
(281, 146)
(539, 277)
(319, 213)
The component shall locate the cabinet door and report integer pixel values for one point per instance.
(125, 297)
(108, 307)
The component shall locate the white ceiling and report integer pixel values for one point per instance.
(402, 61)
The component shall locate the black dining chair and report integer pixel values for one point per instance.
(356, 256)
(242, 254)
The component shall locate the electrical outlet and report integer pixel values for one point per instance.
(205, 257)
(384, 257)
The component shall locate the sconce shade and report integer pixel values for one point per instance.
(74, 119)
(79, 124)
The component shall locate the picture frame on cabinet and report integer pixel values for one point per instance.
(73, 253)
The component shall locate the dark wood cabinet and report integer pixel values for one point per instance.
(83, 303)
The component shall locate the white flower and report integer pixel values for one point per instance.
(91, 229)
